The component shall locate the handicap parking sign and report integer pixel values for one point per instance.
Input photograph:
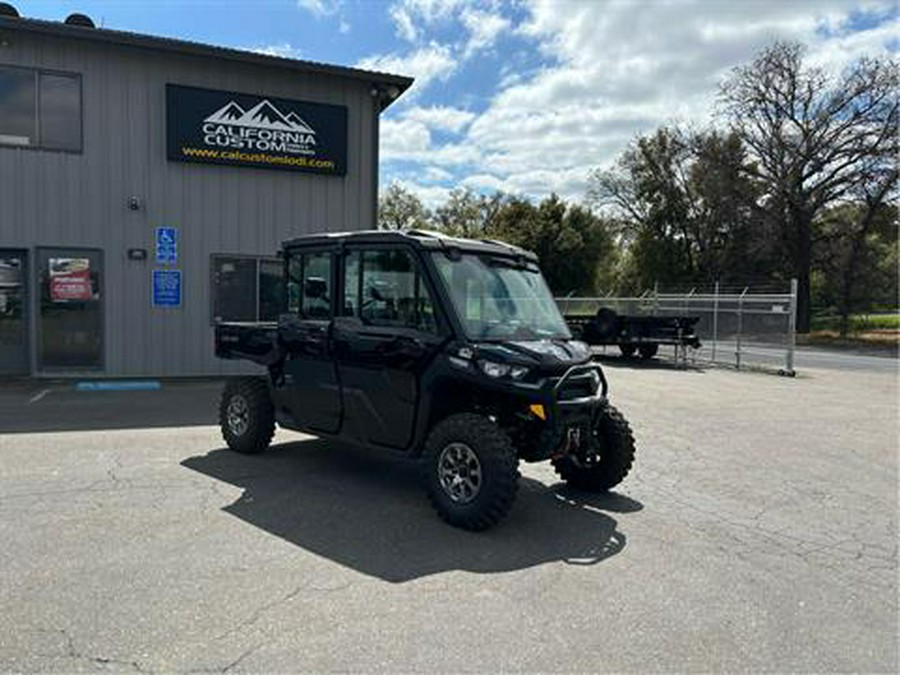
(166, 245)
(167, 288)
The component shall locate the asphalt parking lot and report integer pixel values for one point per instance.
(758, 532)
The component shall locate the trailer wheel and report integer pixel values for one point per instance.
(627, 349)
(606, 323)
(648, 351)
(246, 416)
(610, 459)
(470, 470)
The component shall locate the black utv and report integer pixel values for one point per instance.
(450, 350)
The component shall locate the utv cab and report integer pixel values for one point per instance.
(450, 350)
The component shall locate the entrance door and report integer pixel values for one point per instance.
(70, 324)
(13, 313)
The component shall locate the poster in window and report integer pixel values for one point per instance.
(70, 279)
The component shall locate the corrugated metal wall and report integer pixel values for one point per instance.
(59, 199)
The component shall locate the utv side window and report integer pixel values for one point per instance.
(309, 285)
(385, 288)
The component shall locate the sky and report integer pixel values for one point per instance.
(523, 96)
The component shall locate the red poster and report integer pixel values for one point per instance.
(70, 279)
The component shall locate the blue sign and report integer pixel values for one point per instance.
(167, 288)
(166, 245)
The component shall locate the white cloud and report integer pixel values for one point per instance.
(320, 8)
(438, 175)
(427, 64)
(404, 139)
(432, 196)
(483, 27)
(613, 70)
(283, 49)
(412, 17)
(441, 118)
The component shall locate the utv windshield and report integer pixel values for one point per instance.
(500, 299)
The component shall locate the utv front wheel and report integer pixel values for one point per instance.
(470, 471)
(246, 416)
(608, 459)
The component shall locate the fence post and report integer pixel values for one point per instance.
(792, 329)
(715, 326)
(740, 328)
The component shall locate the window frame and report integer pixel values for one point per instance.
(258, 259)
(422, 272)
(39, 146)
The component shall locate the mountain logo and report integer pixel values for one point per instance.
(264, 115)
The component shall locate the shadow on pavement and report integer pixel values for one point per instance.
(39, 407)
(368, 512)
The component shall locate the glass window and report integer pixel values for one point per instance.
(385, 288)
(60, 112)
(41, 110)
(309, 285)
(17, 107)
(246, 288)
(316, 299)
(501, 299)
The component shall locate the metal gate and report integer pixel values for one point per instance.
(737, 327)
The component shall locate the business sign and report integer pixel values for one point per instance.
(221, 127)
(167, 288)
(166, 245)
(70, 279)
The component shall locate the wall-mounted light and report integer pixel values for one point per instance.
(134, 203)
(137, 254)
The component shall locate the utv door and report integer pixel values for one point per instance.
(387, 335)
(310, 393)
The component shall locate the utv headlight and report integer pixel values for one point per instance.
(493, 369)
(498, 370)
(518, 372)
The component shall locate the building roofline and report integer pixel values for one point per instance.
(173, 45)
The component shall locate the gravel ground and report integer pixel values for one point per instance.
(758, 532)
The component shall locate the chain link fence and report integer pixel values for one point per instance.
(739, 327)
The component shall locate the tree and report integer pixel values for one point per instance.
(400, 209)
(469, 214)
(685, 206)
(856, 255)
(576, 249)
(814, 139)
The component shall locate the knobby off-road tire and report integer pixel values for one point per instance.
(464, 451)
(615, 449)
(246, 416)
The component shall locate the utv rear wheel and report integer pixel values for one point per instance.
(470, 471)
(246, 416)
(609, 458)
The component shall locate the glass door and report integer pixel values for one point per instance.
(13, 313)
(70, 324)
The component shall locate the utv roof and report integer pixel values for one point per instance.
(425, 239)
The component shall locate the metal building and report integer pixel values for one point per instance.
(146, 184)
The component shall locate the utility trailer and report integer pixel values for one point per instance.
(635, 333)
